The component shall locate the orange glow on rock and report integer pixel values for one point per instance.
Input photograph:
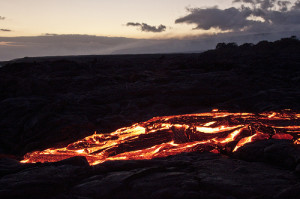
(216, 131)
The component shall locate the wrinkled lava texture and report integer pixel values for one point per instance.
(216, 132)
(54, 101)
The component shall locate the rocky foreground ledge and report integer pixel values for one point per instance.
(264, 169)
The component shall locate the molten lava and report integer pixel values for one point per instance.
(216, 132)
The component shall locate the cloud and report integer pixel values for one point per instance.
(251, 16)
(231, 18)
(133, 24)
(5, 30)
(49, 34)
(297, 5)
(266, 4)
(147, 28)
(263, 4)
(283, 5)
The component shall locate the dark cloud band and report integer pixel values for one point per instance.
(231, 18)
(5, 30)
(297, 5)
(147, 28)
(253, 16)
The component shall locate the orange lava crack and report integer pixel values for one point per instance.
(216, 131)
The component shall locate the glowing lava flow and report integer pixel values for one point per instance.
(216, 131)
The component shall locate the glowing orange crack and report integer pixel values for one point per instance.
(169, 135)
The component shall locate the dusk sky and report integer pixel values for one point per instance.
(79, 27)
(97, 17)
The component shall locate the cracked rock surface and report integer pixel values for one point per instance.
(54, 101)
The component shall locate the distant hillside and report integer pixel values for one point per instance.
(65, 45)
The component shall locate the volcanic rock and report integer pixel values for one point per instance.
(191, 175)
(54, 101)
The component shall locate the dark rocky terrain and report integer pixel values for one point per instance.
(53, 101)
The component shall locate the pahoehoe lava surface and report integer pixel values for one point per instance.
(216, 132)
(54, 101)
